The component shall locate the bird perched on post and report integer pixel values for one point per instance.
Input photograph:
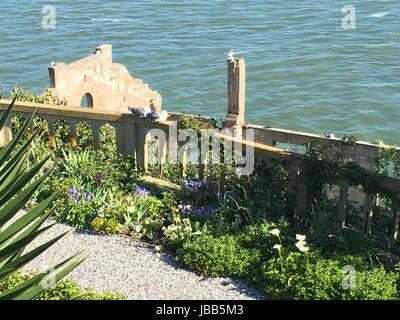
(231, 56)
(155, 116)
(140, 112)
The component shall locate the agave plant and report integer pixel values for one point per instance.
(17, 185)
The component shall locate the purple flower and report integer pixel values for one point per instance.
(142, 192)
(205, 211)
(46, 169)
(99, 176)
(185, 208)
(78, 197)
(192, 185)
(72, 191)
(90, 196)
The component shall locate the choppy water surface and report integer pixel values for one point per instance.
(303, 70)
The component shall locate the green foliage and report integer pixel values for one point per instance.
(387, 161)
(65, 289)
(90, 170)
(181, 229)
(94, 186)
(191, 122)
(17, 185)
(217, 256)
(105, 225)
(329, 238)
(47, 97)
(284, 272)
(311, 277)
(144, 217)
(69, 290)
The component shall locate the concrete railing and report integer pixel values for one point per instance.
(132, 139)
(131, 132)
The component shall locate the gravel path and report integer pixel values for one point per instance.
(121, 265)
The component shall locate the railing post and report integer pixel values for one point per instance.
(73, 138)
(236, 93)
(129, 143)
(291, 192)
(182, 158)
(302, 195)
(297, 194)
(204, 154)
(141, 147)
(342, 203)
(157, 142)
(120, 139)
(52, 134)
(96, 136)
(370, 202)
(6, 133)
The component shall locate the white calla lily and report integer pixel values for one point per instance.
(300, 237)
(275, 232)
(278, 247)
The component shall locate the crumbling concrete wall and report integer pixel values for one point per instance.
(109, 84)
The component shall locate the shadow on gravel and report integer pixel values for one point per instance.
(235, 285)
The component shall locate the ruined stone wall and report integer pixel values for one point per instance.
(109, 84)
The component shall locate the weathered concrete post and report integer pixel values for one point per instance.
(6, 133)
(141, 147)
(73, 137)
(52, 134)
(96, 135)
(236, 93)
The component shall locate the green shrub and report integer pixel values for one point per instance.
(47, 97)
(69, 290)
(64, 290)
(222, 256)
(18, 185)
(144, 215)
(106, 225)
(311, 277)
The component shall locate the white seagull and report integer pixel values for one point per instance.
(140, 112)
(329, 135)
(155, 116)
(231, 56)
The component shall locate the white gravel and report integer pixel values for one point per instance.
(134, 269)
